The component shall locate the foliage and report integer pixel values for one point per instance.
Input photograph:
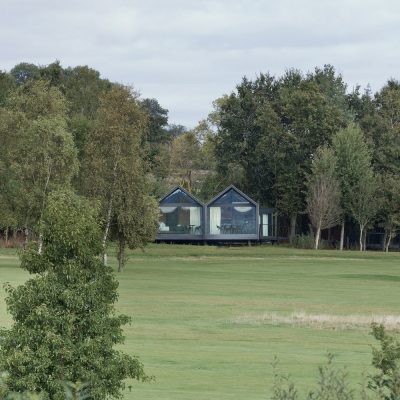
(389, 214)
(386, 359)
(262, 137)
(272, 127)
(156, 134)
(38, 152)
(283, 388)
(65, 325)
(332, 384)
(301, 241)
(185, 157)
(7, 83)
(24, 72)
(114, 171)
(323, 197)
(358, 183)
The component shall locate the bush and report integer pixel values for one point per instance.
(386, 359)
(333, 382)
(303, 241)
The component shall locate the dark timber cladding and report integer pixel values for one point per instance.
(232, 215)
(182, 217)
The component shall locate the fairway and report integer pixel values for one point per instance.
(208, 321)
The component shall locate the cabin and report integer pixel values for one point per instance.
(232, 215)
(182, 217)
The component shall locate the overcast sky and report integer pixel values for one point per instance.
(186, 53)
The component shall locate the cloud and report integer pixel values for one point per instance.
(187, 53)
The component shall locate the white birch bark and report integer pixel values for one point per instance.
(109, 214)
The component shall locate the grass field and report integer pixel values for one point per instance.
(208, 321)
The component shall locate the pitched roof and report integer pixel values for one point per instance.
(250, 200)
(184, 191)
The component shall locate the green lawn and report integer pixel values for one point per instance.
(196, 314)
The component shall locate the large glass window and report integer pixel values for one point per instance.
(180, 214)
(232, 214)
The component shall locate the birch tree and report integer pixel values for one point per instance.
(353, 163)
(323, 195)
(364, 203)
(389, 213)
(39, 151)
(113, 171)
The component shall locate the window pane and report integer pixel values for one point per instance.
(178, 196)
(231, 197)
(232, 220)
(180, 220)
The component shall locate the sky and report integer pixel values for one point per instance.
(187, 53)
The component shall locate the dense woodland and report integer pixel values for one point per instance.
(303, 143)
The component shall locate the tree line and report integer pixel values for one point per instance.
(301, 143)
(69, 128)
(305, 145)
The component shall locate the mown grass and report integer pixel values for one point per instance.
(185, 300)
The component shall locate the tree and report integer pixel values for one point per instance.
(239, 132)
(323, 197)
(185, 157)
(23, 72)
(382, 128)
(312, 109)
(390, 207)
(271, 128)
(83, 89)
(114, 171)
(386, 359)
(354, 173)
(364, 203)
(174, 130)
(156, 145)
(65, 325)
(7, 83)
(38, 150)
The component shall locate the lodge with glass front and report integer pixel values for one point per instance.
(181, 216)
(232, 215)
(229, 216)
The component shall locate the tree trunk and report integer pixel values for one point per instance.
(342, 235)
(293, 219)
(189, 175)
(361, 237)
(385, 236)
(317, 236)
(388, 240)
(6, 235)
(46, 185)
(40, 247)
(26, 235)
(121, 254)
(106, 230)
(109, 211)
(365, 239)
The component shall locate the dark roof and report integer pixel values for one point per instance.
(184, 191)
(250, 200)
